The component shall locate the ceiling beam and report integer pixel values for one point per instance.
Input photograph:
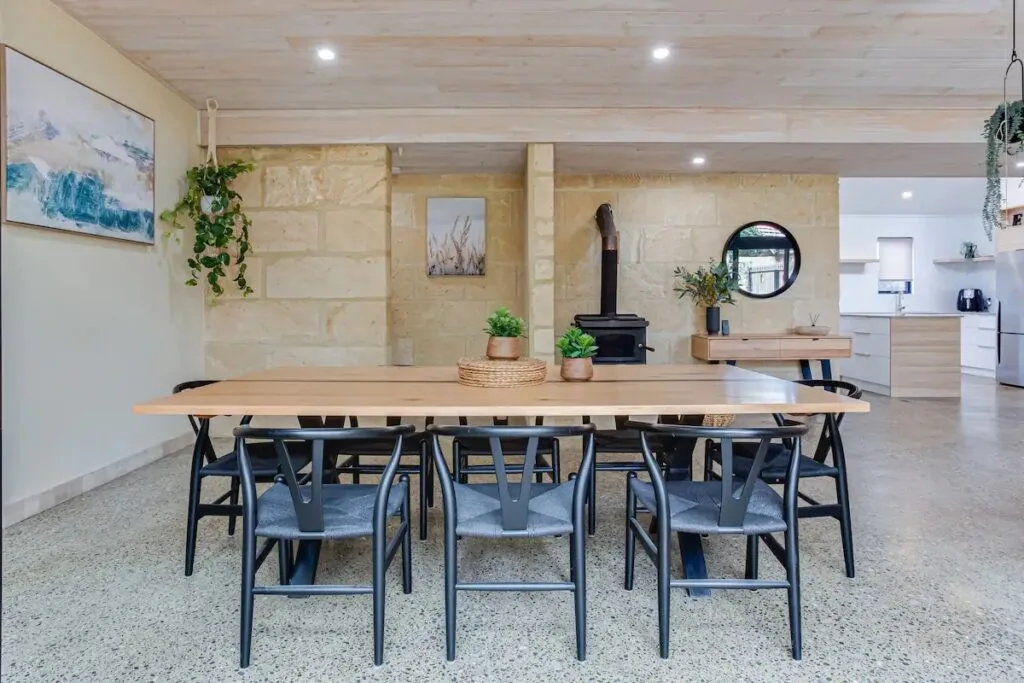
(630, 125)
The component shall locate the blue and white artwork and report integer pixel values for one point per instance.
(76, 160)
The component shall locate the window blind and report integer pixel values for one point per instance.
(895, 258)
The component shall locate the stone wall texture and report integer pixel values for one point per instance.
(540, 250)
(437, 320)
(683, 220)
(320, 268)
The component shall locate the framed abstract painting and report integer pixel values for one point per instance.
(75, 159)
(456, 236)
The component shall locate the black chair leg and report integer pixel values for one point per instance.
(753, 546)
(845, 523)
(248, 583)
(793, 577)
(592, 502)
(572, 558)
(430, 478)
(579, 572)
(285, 561)
(379, 568)
(354, 461)
(233, 499)
(426, 485)
(406, 540)
(664, 586)
(630, 533)
(450, 578)
(194, 492)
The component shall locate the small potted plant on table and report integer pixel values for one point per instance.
(505, 330)
(708, 287)
(578, 350)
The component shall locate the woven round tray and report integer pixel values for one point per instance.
(718, 420)
(483, 372)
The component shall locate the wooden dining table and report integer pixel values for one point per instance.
(684, 392)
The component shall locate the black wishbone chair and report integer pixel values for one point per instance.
(465, 449)
(310, 513)
(830, 447)
(734, 505)
(505, 509)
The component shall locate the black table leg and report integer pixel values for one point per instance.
(680, 467)
(805, 369)
(730, 362)
(826, 368)
(306, 560)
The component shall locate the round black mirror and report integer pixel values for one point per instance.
(764, 257)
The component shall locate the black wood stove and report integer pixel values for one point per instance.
(621, 337)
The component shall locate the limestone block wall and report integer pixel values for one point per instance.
(437, 320)
(682, 220)
(321, 264)
(540, 250)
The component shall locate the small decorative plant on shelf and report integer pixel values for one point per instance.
(578, 350)
(708, 287)
(813, 330)
(221, 227)
(969, 250)
(505, 330)
(1004, 136)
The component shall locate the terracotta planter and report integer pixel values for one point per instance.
(503, 348)
(577, 369)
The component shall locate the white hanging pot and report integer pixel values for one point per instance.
(206, 204)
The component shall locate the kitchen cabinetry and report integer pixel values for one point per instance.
(906, 356)
(978, 344)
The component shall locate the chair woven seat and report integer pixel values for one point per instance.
(776, 462)
(348, 511)
(263, 458)
(695, 506)
(410, 445)
(479, 510)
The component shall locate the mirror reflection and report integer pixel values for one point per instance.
(765, 258)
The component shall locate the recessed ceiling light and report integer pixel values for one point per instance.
(326, 54)
(907, 194)
(660, 53)
(698, 161)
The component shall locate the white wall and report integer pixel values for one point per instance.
(92, 326)
(935, 287)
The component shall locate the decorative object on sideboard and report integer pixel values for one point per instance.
(725, 328)
(214, 210)
(621, 337)
(505, 330)
(456, 236)
(708, 288)
(1004, 138)
(75, 159)
(764, 258)
(814, 329)
(578, 350)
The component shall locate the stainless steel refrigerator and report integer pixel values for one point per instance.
(1010, 318)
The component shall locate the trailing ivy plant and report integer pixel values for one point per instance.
(221, 227)
(1003, 131)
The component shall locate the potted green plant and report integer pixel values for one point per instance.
(505, 330)
(578, 350)
(708, 287)
(214, 210)
(1004, 135)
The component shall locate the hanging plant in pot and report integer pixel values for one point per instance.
(578, 350)
(708, 287)
(1004, 136)
(214, 210)
(505, 330)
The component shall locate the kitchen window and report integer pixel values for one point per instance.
(895, 265)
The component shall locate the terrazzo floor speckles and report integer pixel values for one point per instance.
(93, 589)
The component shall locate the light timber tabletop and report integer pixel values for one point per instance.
(379, 391)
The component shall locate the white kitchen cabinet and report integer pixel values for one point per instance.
(978, 344)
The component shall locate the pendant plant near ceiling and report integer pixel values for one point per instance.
(1004, 137)
(221, 227)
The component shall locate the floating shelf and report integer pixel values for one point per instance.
(976, 259)
(856, 261)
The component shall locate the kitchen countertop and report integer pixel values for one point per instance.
(904, 315)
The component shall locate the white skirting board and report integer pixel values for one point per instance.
(19, 510)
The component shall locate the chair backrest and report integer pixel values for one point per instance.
(308, 499)
(829, 438)
(514, 498)
(735, 492)
(499, 421)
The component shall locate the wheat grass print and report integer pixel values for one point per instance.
(456, 236)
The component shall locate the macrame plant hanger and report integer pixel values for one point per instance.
(211, 150)
(1009, 148)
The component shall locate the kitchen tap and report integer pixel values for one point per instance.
(900, 306)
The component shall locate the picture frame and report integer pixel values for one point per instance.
(456, 236)
(75, 159)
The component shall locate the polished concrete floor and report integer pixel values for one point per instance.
(93, 590)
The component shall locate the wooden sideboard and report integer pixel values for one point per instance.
(772, 346)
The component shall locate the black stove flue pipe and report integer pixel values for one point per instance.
(609, 259)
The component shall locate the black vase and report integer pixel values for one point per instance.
(713, 316)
